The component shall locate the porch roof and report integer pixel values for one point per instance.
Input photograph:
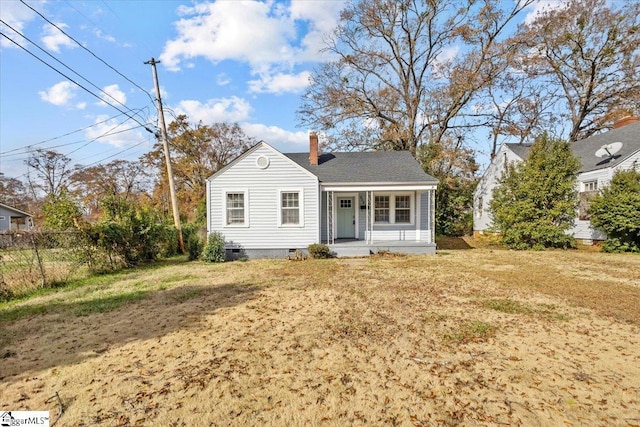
(368, 167)
(20, 213)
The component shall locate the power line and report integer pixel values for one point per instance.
(28, 146)
(76, 83)
(97, 161)
(65, 65)
(89, 50)
(29, 149)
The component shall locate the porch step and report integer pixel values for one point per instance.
(346, 251)
(353, 249)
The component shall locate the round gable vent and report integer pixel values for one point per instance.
(262, 162)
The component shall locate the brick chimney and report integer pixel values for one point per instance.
(625, 121)
(313, 149)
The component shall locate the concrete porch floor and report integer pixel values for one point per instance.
(351, 247)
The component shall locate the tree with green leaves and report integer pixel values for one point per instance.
(616, 212)
(61, 212)
(456, 170)
(534, 205)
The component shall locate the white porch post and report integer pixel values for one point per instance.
(371, 215)
(418, 215)
(433, 216)
(330, 238)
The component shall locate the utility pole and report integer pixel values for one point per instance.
(167, 156)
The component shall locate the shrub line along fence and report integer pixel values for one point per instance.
(45, 258)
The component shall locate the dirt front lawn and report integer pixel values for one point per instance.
(465, 337)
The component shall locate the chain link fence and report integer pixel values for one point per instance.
(31, 260)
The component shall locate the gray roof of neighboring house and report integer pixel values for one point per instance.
(15, 209)
(585, 149)
(365, 167)
(521, 150)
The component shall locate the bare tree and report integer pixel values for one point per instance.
(122, 178)
(51, 172)
(197, 151)
(13, 192)
(404, 71)
(589, 51)
(515, 108)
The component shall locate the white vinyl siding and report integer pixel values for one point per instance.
(263, 187)
(483, 193)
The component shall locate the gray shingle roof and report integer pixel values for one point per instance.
(585, 149)
(365, 167)
(521, 150)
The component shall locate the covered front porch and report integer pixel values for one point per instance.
(361, 220)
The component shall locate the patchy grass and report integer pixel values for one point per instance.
(478, 337)
(471, 331)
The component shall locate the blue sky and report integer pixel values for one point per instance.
(238, 61)
(231, 60)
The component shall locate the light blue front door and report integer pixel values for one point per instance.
(346, 223)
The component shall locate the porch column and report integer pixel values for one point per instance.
(330, 237)
(417, 199)
(369, 219)
(432, 226)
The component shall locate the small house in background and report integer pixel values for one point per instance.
(13, 219)
(269, 204)
(597, 168)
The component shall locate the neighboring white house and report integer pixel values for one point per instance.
(269, 204)
(595, 173)
(12, 219)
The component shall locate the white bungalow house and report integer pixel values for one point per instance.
(269, 204)
(13, 219)
(595, 173)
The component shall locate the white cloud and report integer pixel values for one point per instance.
(222, 79)
(99, 34)
(441, 63)
(232, 109)
(17, 16)
(280, 83)
(273, 38)
(278, 137)
(113, 132)
(53, 38)
(322, 17)
(223, 30)
(113, 95)
(59, 94)
(541, 6)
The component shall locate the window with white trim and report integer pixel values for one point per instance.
(290, 204)
(393, 208)
(236, 213)
(381, 209)
(480, 207)
(589, 190)
(2, 218)
(403, 209)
